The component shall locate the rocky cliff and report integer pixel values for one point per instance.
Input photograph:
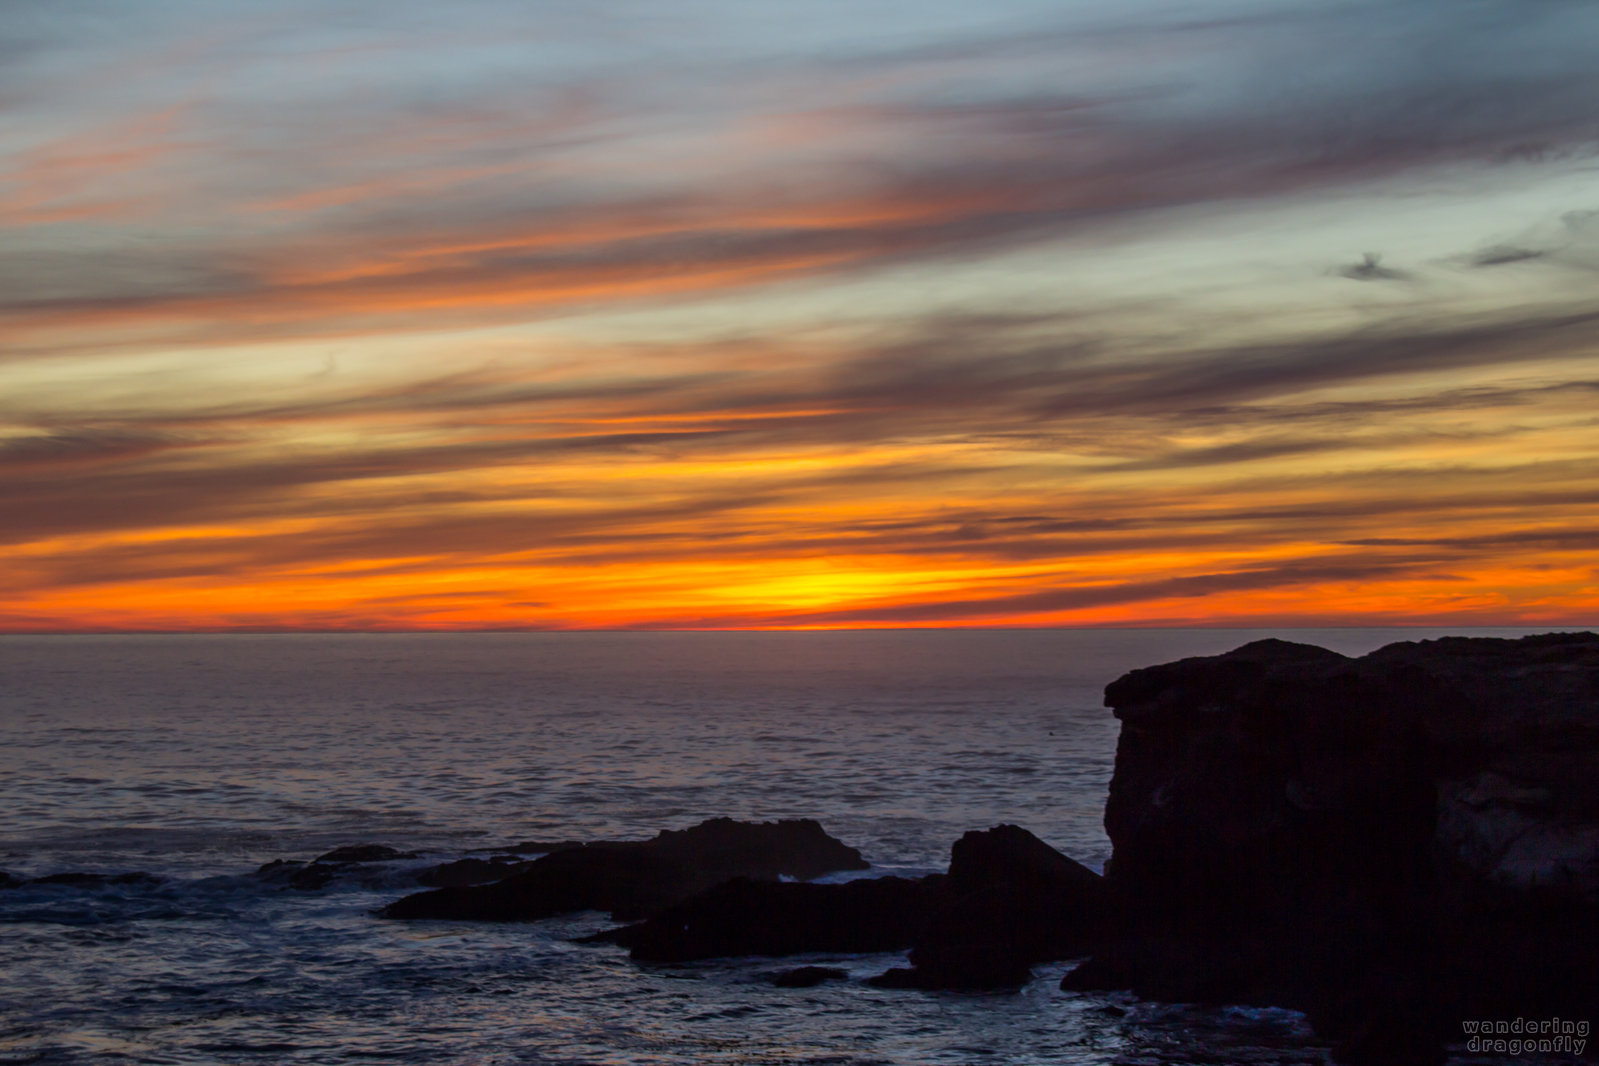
(1396, 844)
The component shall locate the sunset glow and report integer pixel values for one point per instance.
(798, 316)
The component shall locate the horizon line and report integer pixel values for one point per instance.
(439, 631)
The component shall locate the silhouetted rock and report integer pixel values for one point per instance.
(1009, 901)
(92, 880)
(747, 917)
(533, 847)
(897, 977)
(364, 853)
(9, 880)
(1391, 843)
(1012, 901)
(471, 871)
(636, 879)
(808, 976)
(363, 869)
(291, 873)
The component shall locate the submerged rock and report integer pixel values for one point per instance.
(808, 976)
(636, 879)
(353, 864)
(775, 918)
(78, 879)
(1391, 843)
(364, 853)
(471, 871)
(292, 873)
(532, 847)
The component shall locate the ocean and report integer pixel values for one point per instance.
(194, 759)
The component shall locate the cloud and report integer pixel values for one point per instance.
(1504, 254)
(996, 144)
(986, 383)
(1299, 572)
(932, 446)
(79, 447)
(1370, 268)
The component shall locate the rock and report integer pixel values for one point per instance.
(636, 879)
(775, 918)
(9, 880)
(1008, 902)
(306, 877)
(88, 880)
(1012, 901)
(533, 847)
(1390, 843)
(808, 976)
(471, 871)
(364, 853)
(341, 864)
(896, 977)
(621, 878)
(797, 848)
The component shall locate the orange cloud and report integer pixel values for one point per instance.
(447, 279)
(85, 174)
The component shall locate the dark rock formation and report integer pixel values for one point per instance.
(1011, 901)
(10, 880)
(352, 864)
(292, 873)
(1392, 843)
(306, 876)
(471, 871)
(364, 853)
(746, 917)
(636, 879)
(89, 880)
(532, 847)
(807, 976)
(347, 864)
(1008, 902)
(356, 864)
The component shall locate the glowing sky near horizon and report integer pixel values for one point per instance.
(729, 313)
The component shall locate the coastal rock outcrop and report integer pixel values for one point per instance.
(636, 879)
(354, 853)
(1011, 901)
(78, 879)
(1008, 902)
(471, 871)
(808, 976)
(775, 918)
(1394, 843)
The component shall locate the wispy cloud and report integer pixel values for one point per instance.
(710, 316)
(616, 186)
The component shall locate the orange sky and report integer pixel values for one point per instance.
(1044, 315)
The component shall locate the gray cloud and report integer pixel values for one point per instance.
(80, 446)
(1504, 254)
(1314, 97)
(1370, 268)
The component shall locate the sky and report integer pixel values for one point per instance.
(744, 314)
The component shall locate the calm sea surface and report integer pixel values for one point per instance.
(197, 758)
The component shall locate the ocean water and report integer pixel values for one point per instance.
(195, 759)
